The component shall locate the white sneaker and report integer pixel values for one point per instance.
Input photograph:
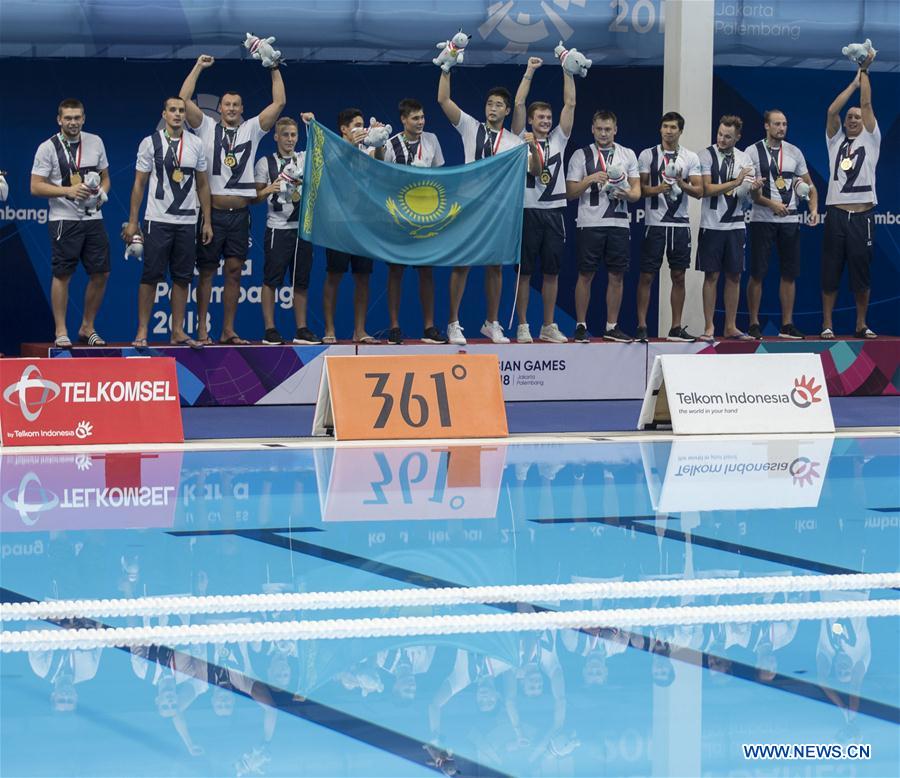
(455, 334)
(494, 332)
(551, 333)
(523, 334)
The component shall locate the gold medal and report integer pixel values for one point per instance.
(846, 163)
(230, 160)
(75, 178)
(545, 177)
(295, 197)
(779, 182)
(178, 175)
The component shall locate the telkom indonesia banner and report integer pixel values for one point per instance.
(739, 393)
(96, 401)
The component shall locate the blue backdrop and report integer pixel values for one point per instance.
(123, 104)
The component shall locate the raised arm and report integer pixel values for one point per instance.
(186, 93)
(833, 122)
(518, 117)
(865, 99)
(567, 114)
(269, 115)
(450, 109)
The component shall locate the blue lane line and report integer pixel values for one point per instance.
(635, 523)
(367, 732)
(784, 683)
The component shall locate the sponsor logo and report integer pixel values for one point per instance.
(804, 392)
(31, 499)
(803, 471)
(84, 429)
(22, 393)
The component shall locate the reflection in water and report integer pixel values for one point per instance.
(636, 701)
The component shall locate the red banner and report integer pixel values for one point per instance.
(89, 401)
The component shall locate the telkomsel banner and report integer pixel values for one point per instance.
(92, 401)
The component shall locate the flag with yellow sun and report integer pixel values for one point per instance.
(464, 215)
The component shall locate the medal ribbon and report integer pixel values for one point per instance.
(172, 147)
(497, 142)
(778, 161)
(409, 155)
(76, 166)
(602, 159)
(229, 134)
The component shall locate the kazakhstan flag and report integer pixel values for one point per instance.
(464, 215)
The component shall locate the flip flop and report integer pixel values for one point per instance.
(206, 341)
(234, 340)
(187, 341)
(866, 334)
(827, 334)
(367, 341)
(739, 336)
(62, 341)
(706, 338)
(93, 339)
(139, 343)
(329, 340)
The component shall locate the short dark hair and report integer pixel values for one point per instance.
(730, 120)
(409, 105)
(284, 121)
(605, 116)
(70, 102)
(538, 105)
(348, 115)
(229, 92)
(502, 92)
(171, 97)
(768, 114)
(672, 116)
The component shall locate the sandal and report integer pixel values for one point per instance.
(329, 340)
(827, 334)
(234, 340)
(139, 343)
(206, 341)
(704, 338)
(865, 334)
(367, 340)
(187, 341)
(62, 341)
(93, 339)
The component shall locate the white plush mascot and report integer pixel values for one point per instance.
(670, 175)
(572, 60)
(452, 51)
(261, 49)
(802, 189)
(290, 179)
(618, 181)
(97, 196)
(4, 187)
(376, 136)
(858, 52)
(135, 249)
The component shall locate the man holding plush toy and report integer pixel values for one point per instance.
(780, 166)
(543, 226)
(849, 221)
(230, 147)
(279, 181)
(480, 140)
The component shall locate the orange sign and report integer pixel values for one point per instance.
(422, 396)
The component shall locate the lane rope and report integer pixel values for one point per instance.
(405, 626)
(393, 598)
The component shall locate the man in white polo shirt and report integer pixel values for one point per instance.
(849, 221)
(174, 163)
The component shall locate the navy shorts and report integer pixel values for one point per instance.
(73, 241)
(543, 240)
(283, 248)
(786, 238)
(849, 240)
(340, 262)
(596, 246)
(672, 242)
(169, 248)
(721, 251)
(231, 237)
